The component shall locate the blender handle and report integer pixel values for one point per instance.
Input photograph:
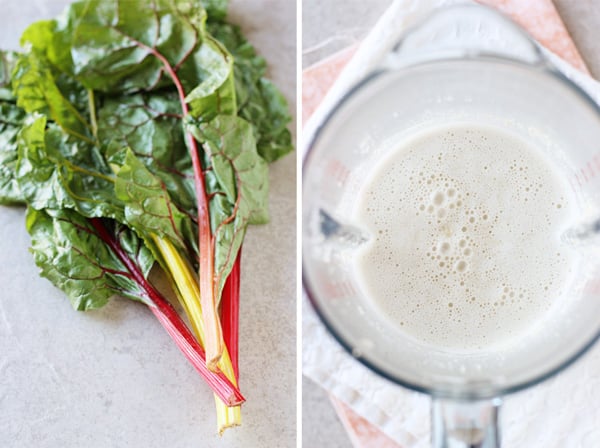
(464, 31)
(465, 424)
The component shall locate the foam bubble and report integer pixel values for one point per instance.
(438, 198)
(461, 266)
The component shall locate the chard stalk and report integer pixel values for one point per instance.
(219, 381)
(230, 312)
(188, 293)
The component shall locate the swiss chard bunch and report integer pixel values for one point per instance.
(138, 133)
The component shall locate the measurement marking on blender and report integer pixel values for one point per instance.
(338, 171)
(573, 186)
(588, 172)
(591, 169)
(592, 287)
(339, 290)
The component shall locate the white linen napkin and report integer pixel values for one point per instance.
(562, 412)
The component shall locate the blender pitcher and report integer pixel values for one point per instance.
(439, 72)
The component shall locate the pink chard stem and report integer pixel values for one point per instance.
(230, 313)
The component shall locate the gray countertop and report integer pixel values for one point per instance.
(329, 26)
(112, 377)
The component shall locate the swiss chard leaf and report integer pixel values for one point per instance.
(215, 9)
(259, 101)
(56, 171)
(11, 120)
(53, 37)
(147, 205)
(74, 258)
(130, 45)
(37, 90)
(216, 94)
(237, 181)
(150, 124)
(112, 43)
(8, 59)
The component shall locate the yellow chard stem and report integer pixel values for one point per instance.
(188, 293)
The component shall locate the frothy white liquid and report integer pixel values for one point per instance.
(465, 251)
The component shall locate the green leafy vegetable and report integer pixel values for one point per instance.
(11, 120)
(37, 91)
(8, 60)
(216, 9)
(134, 134)
(56, 171)
(74, 258)
(148, 207)
(150, 125)
(259, 101)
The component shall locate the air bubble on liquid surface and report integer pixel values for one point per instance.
(444, 247)
(438, 198)
(461, 266)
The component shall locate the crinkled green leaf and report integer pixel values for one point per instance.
(74, 258)
(53, 37)
(8, 60)
(150, 124)
(268, 108)
(56, 171)
(237, 183)
(259, 101)
(217, 94)
(123, 45)
(112, 41)
(147, 206)
(11, 120)
(216, 9)
(36, 89)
